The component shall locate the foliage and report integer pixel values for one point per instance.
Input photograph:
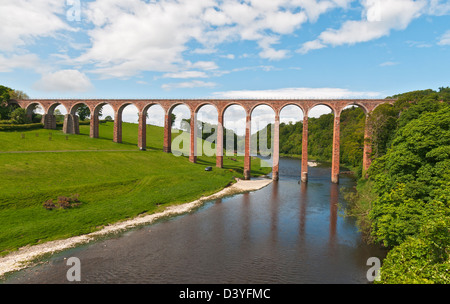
(411, 212)
(24, 127)
(84, 112)
(19, 116)
(387, 119)
(110, 191)
(404, 204)
(320, 137)
(422, 259)
(18, 94)
(4, 98)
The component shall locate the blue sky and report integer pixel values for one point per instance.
(224, 49)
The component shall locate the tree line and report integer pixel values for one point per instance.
(404, 203)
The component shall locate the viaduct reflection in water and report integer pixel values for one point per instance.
(287, 232)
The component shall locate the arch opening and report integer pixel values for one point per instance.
(180, 129)
(234, 121)
(150, 131)
(291, 129)
(352, 137)
(207, 118)
(262, 134)
(127, 113)
(35, 111)
(101, 122)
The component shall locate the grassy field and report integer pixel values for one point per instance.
(114, 181)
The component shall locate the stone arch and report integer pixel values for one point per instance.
(293, 104)
(49, 119)
(358, 104)
(31, 107)
(257, 126)
(208, 129)
(95, 118)
(264, 136)
(203, 104)
(233, 103)
(118, 119)
(74, 108)
(72, 120)
(143, 113)
(147, 107)
(262, 104)
(179, 135)
(236, 122)
(179, 103)
(52, 108)
(296, 114)
(322, 104)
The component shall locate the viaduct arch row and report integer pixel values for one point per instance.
(71, 122)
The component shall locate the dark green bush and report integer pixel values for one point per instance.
(23, 127)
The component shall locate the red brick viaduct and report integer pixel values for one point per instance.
(71, 124)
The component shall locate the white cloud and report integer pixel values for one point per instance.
(186, 74)
(135, 36)
(310, 93)
(25, 20)
(7, 64)
(445, 38)
(311, 45)
(379, 17)
(64, 81)
(188, 85)
(388, 63)
(272, 54)
(438, 8)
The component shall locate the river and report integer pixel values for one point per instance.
(287, 232)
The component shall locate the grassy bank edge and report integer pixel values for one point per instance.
(31, 255)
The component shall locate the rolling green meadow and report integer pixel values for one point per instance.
(114, 181)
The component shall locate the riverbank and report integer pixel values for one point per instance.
(26, 256)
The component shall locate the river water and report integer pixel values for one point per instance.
(287, 232)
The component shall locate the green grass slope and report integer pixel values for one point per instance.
(114, 181)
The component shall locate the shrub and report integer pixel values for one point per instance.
(19, 116)
(25, 127)
(63, 202)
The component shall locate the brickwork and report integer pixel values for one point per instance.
(71, 122)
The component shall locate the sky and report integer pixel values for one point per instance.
(113, 49)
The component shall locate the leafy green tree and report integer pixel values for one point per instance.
(4, 99)
(83, 112)
(19, 116)
(18, 94)
(410, 176)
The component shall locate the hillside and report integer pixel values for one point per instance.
(113, 181)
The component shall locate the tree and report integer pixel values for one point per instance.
(84, 112)
(19, 116)
(173, 117)
(17, 95)
(4, 99)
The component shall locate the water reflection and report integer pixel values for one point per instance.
(303, 206)
(334, 201)
(288, 232)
